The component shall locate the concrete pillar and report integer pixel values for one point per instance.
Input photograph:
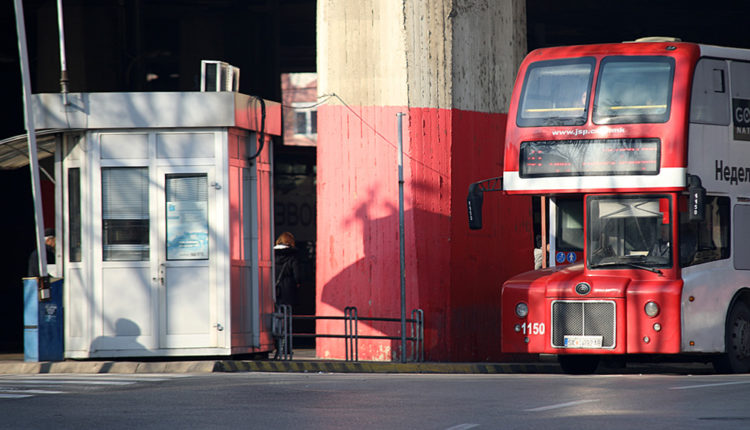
(450, 66)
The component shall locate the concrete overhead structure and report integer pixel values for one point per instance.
(449, 65)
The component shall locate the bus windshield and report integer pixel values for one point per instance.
(556, 93)
(629, 231)
(633, 90)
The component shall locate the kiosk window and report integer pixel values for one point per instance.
(125, 214)
(187, 216)
(74, 214)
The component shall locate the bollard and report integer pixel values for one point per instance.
(42, 320)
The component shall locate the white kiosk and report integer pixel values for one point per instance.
(164, 221)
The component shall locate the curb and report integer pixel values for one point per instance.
(8, 368)
(12, 367)
(226, 366)
(380, 367)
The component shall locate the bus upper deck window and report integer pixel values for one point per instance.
(556, 92)
(634, 90)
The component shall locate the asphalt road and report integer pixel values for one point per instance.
(375, 401)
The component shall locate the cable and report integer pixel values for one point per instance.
(325, 98)
(314, 105)
(394, 146)
(262, 134)
(363, 121)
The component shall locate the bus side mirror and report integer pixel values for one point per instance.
(474, 205)
(697, 199)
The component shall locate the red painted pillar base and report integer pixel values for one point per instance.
(453, 274)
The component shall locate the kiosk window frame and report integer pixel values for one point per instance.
(125, 213)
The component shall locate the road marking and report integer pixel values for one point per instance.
(89, 378)
(561, 405)
(63, 381)
(20, 387)
(718, 384)
(14, 396)
(463, 427)
(32, 391)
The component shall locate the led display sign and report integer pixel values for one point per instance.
(598, 157)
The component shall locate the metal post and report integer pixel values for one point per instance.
(543, 217)
(30, 129)
(348, 333)
(356, 334)
(351, 333)
(402, 251)
(63, 61)
(289, 330)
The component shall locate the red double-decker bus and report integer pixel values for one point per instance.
(644, 152)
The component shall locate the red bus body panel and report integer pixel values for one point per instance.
(630, 291)
(673, 133)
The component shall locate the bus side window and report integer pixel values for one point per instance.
(708, 240)
(569, 225)
(688, 241)
(710, 100)
(742, 232)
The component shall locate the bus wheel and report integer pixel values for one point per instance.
(578, 364)
(737, 342)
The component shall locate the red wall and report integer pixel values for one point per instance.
(481, 260)
(452, 274)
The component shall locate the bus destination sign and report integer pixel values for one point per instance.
(595, 157)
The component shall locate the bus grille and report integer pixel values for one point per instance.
(583, 318)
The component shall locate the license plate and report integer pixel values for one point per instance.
(583, 341)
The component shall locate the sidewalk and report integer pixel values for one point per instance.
(304, 362)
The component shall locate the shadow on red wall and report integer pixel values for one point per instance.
(445, 277)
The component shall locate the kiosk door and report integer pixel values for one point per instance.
(185, 252)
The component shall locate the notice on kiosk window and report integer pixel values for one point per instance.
(187, 231)
(741, 119)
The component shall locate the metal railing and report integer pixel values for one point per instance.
(283, 332)
(281, 329)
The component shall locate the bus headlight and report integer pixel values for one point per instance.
(522, 309)
(651, 309)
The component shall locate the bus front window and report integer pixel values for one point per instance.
(633, 90)
(556, 93)
(629, 232)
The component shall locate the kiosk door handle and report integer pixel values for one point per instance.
(162, 273)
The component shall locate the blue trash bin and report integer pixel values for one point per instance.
(42, 321)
